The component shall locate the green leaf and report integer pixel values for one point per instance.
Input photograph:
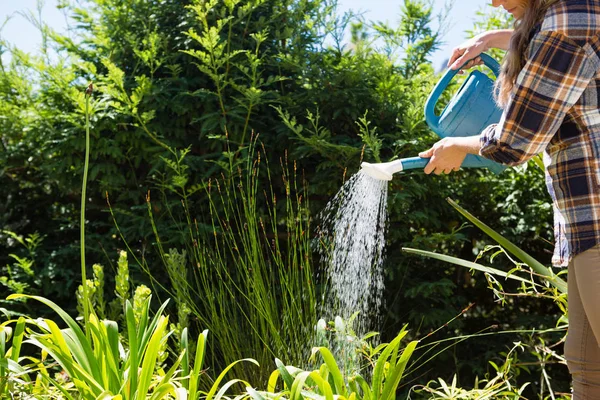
(395, 375)
(17, 339)
(82, 350)
(210, 395)
(538, 267)
(465, 263)
(272, 382)
(150, 356)
(378, 372)
(285, 375)
(185, 362)
(134, 355)
(364, 385)
(198, 361)
(254, 394)
(338, 378)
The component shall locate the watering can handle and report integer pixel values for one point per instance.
(470, 161)
(430, 117)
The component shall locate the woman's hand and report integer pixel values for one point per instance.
(448, 154)
(468, 51)
(472, 48)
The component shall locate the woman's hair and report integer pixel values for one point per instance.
(514, 61)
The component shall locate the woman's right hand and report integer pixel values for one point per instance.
(468, 51)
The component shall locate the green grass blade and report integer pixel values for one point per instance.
(112, 354)
(353, 385)
(324, 386)
(60, 388)
(185, 361)
(58, 340)
(465, 263)
(150, 357)
(338, 379)
(4, 337)
(215, 386)
(198, 361)
(162, 391)
(17, 339)
(81, 377)
(254, 395)
(226, 387)
(171, 372)
(97, 332)
(145, 329)
(134, 355)
(13, 367)
(288, 379)
(395, 375)
(378, 372)
(538, 267)
(296, 390)
(272, 382)
(84, 346)
(366, 389)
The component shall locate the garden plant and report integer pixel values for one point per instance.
(213, 134)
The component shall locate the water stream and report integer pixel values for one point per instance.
(352, 241)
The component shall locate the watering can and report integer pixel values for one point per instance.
(471, 109)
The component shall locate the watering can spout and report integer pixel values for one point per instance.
(382, 171)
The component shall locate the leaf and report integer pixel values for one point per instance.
(17, 339)
(464, 263)
(395, 375)
(272, 382)
(150, 356)
(185, 362)
(198, 360)
(340, 386)
(285, 375)
(210, 395)
(538, 267)
(378, 372)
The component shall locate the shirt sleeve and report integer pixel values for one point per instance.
(553, 79)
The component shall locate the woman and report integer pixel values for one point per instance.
(549, 89)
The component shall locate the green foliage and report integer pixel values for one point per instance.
(497, 387)
(552, 287)
(12, 375)
(378, 380)
(20, 277)
(100, 366)
(179, 91)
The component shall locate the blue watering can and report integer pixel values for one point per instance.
(469, 111)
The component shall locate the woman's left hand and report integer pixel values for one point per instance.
(445, 156)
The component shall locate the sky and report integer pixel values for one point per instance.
(25, 36)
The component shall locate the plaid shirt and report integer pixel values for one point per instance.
(554, 108)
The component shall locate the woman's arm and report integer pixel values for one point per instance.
(499, 39)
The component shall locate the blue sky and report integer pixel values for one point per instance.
(21, 33)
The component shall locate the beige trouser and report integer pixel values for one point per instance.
(582, 349)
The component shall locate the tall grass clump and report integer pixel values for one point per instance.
(246, 273)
